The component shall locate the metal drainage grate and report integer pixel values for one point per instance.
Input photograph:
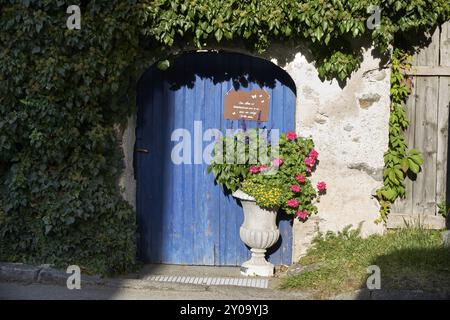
(210, 281)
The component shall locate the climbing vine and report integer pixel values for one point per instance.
(63, 91)
(400, 163)
(327, 27)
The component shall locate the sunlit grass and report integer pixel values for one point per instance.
(410, 258)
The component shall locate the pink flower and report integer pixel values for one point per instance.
(277, 162)
(295, 188)
(254, 169)
(291, 135)
(321, 186)
(263, 167)
(313, 154)
(308, 170)
(300, 178)
(302, 214)
(310, 161)
(293, 203)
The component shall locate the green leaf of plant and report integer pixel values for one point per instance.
(163, 65)
(413, 166)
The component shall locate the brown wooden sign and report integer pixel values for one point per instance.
(247, 105)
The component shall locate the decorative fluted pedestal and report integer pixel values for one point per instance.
(257, 265)
(259, 231)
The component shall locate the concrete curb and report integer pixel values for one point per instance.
(19, 272)
(44, 274)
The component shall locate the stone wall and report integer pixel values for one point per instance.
(349, 124)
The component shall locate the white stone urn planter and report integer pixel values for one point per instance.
(259, 231)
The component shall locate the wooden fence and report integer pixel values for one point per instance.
(428, 112)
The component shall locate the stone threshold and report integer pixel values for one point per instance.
(213, 281)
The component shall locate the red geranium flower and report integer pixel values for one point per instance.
(291, 135)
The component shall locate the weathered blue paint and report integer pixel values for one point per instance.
(183, 216)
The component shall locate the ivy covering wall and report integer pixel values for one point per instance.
(62, 91)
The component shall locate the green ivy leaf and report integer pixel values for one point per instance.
(163, 65)
(413, 166)
(218, 34)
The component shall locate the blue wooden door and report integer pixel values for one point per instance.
(183, 216)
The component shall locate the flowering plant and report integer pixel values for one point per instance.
(282, 181)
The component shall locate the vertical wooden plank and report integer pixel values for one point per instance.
(216, 109)
(233, 217)
(429, 56)
(445, 44)
(189, 223)
(209, 207)
(201, 251)
(424, 188)
(424, 192)
(223, 201)
(245, 70)
(443, 117)
(154, 134)
(442, 136)
(189, 197)
(405, 205)
(166, 107)
(176, 220)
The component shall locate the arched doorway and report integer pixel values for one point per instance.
(183, 216)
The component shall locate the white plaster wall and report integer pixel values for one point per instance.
(350, 128)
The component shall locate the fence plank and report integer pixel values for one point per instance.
(443, 116)
(442, 138)
(429, 56)
(429, 71)
(424, 189)
(425, 135)
(445, 44)
(428, 112)
(405, 205)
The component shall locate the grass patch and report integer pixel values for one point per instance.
(410, 258)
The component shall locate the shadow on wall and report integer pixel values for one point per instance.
(241, 71)
(284, 53)
(415, 40)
